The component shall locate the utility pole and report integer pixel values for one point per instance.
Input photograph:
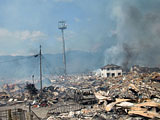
(62, 25)
(40, 53)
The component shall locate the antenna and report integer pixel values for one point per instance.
(62, 26)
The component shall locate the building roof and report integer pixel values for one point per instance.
(111, 66)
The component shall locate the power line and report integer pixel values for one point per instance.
(18, 59)
(47, 65)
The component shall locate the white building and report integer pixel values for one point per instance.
(111, 71)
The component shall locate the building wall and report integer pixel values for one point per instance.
(110, 73)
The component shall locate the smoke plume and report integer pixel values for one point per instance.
(138, 34)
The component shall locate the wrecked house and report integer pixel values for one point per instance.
(111, 70)
(140, 69)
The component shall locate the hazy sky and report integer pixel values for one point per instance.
(25, 24)
(126, 30)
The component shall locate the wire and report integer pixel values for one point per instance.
(47, 65)
(35, 71)
(18, 59)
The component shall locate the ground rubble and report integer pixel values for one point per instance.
(135, 96)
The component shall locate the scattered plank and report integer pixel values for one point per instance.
(149, 104)
(111, 105)
(147, 114)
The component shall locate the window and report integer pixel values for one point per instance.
(108, 74)
(119, 73)
(113, 74)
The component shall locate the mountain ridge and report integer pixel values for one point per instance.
(20, 67)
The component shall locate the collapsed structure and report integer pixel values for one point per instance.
(135, 96)
(139, 69)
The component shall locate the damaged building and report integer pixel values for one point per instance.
(111, 70)
(142, 69)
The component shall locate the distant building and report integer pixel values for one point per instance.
(142, 69)
(111, 70)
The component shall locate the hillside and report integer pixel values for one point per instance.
(17, 67)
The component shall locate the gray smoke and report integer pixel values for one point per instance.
(128, 53)
(138, 34)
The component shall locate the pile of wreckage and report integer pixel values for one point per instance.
(135, 96)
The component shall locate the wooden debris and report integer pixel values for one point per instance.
(134, 87)
(100, 97)
(111, 105)
(149, 104)
(122, 100)
(125, 104)
(147, 114)
(137, 109)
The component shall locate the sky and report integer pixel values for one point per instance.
(122, 30)
(25, 24)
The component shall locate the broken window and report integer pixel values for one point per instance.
(113, 74)
(119, 73)
(108, 74)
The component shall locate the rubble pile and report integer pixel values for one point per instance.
(132, 96)
(140, 69)
(133, 86)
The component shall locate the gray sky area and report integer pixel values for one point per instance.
(124, 31)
